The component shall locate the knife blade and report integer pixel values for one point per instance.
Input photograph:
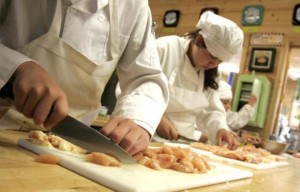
(89, 139)
(185, 139)
(80, 134)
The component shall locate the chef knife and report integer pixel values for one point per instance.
(90, 139)
(81, 135)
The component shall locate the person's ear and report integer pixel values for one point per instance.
(199, 41)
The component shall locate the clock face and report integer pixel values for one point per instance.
(171, 18)
(296, 15)
(252, 15)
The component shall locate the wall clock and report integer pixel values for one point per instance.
(296, 15)
(171, 18)
(252, 15)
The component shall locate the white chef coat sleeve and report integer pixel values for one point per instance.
(15, 36)
(10, 60)
(144, 92)
(237, 120)
(213, 117)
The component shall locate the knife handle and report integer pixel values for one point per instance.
(7, 91)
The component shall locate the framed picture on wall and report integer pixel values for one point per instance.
(262, 59)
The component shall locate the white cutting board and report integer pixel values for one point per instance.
(136, 177)
(213, 157)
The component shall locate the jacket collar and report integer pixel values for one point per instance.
(188, 70)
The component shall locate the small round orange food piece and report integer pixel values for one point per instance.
(47, 158)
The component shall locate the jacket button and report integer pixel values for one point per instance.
(100, 18)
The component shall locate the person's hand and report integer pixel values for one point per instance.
(167, 130)
(251, 138)
(252, 100)
(127, 134)
(225, 138)
(37, 96)
(203, 138)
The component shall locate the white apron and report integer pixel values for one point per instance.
(82, 80)
(184, 104)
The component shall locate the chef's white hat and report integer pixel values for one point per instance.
(222, 37)
(225, 90)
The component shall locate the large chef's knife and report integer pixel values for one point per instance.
(90, 139)
(81, 135)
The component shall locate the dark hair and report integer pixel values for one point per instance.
(210, 75)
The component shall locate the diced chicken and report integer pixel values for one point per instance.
(47, 158)
(166, 160)
(246, 153)
(40, 138)
(102, 159)
(175, 158)
(151, 163)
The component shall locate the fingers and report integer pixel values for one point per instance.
(219, 140)
(28, 102)
(20, 95)
(57, 113)
(170, 134)
(173, 134)
(110, 125)
(167, 130)
(37, 95)
(140, 145)
(230, 144)
(44, 107)
(224, 137)
(127, 134)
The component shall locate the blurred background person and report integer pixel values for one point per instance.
(239, 119)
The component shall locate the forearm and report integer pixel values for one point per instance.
(138, 101)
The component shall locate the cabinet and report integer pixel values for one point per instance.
(260, 86)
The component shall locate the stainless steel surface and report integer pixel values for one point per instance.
(275, 147)
(88, 138)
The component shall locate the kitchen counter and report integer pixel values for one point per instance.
(19, 172)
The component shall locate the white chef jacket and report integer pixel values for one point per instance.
(86, 27)
(190, 106)
(237, 120)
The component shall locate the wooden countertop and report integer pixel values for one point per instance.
(19, 172)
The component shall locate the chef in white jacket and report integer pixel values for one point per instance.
(59, 55)
(190, 64)
(239, 119)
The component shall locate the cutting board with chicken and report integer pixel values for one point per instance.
(271, 161)
(135, 177)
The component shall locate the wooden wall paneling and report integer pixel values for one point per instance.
(246, 51)
(277, 14)
(277, 79)
(277, 19)
(278, 85)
